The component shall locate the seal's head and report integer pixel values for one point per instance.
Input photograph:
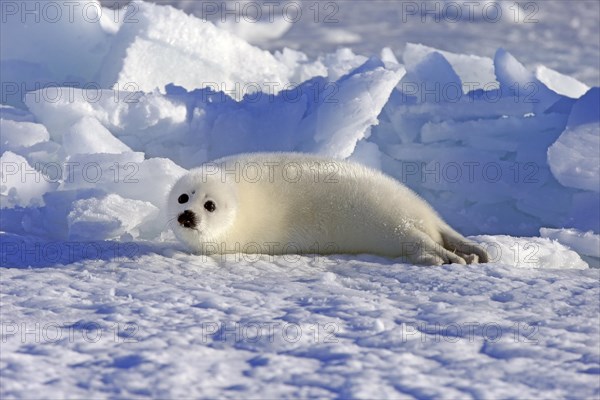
(202, 208)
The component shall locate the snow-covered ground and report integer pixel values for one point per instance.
(494, 122)
(172, 325)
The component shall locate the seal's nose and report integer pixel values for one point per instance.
(187, 219)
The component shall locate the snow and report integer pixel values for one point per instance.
(46, 44)
(560, 83)
(108, 218)
(256, 31)
(177, 325)
(585, 243)
(143, 51)
(102, 112)
(574, 158)
(474, 71)
(89, 136)
(21, 134)
(532, 252)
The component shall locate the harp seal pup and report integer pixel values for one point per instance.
(293, 203)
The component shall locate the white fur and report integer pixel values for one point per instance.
(295, 203)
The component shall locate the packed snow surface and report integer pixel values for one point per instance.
(100, 116)
(177, 325)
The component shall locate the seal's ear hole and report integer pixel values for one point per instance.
(210, 206)
(183, 198)
(193, 192)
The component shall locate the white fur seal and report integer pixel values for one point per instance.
(292, 203)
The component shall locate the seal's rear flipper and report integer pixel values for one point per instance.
(470, 251)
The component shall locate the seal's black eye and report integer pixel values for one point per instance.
(210, 206)
(183, 198)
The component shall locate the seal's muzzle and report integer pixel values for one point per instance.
(187, 219)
